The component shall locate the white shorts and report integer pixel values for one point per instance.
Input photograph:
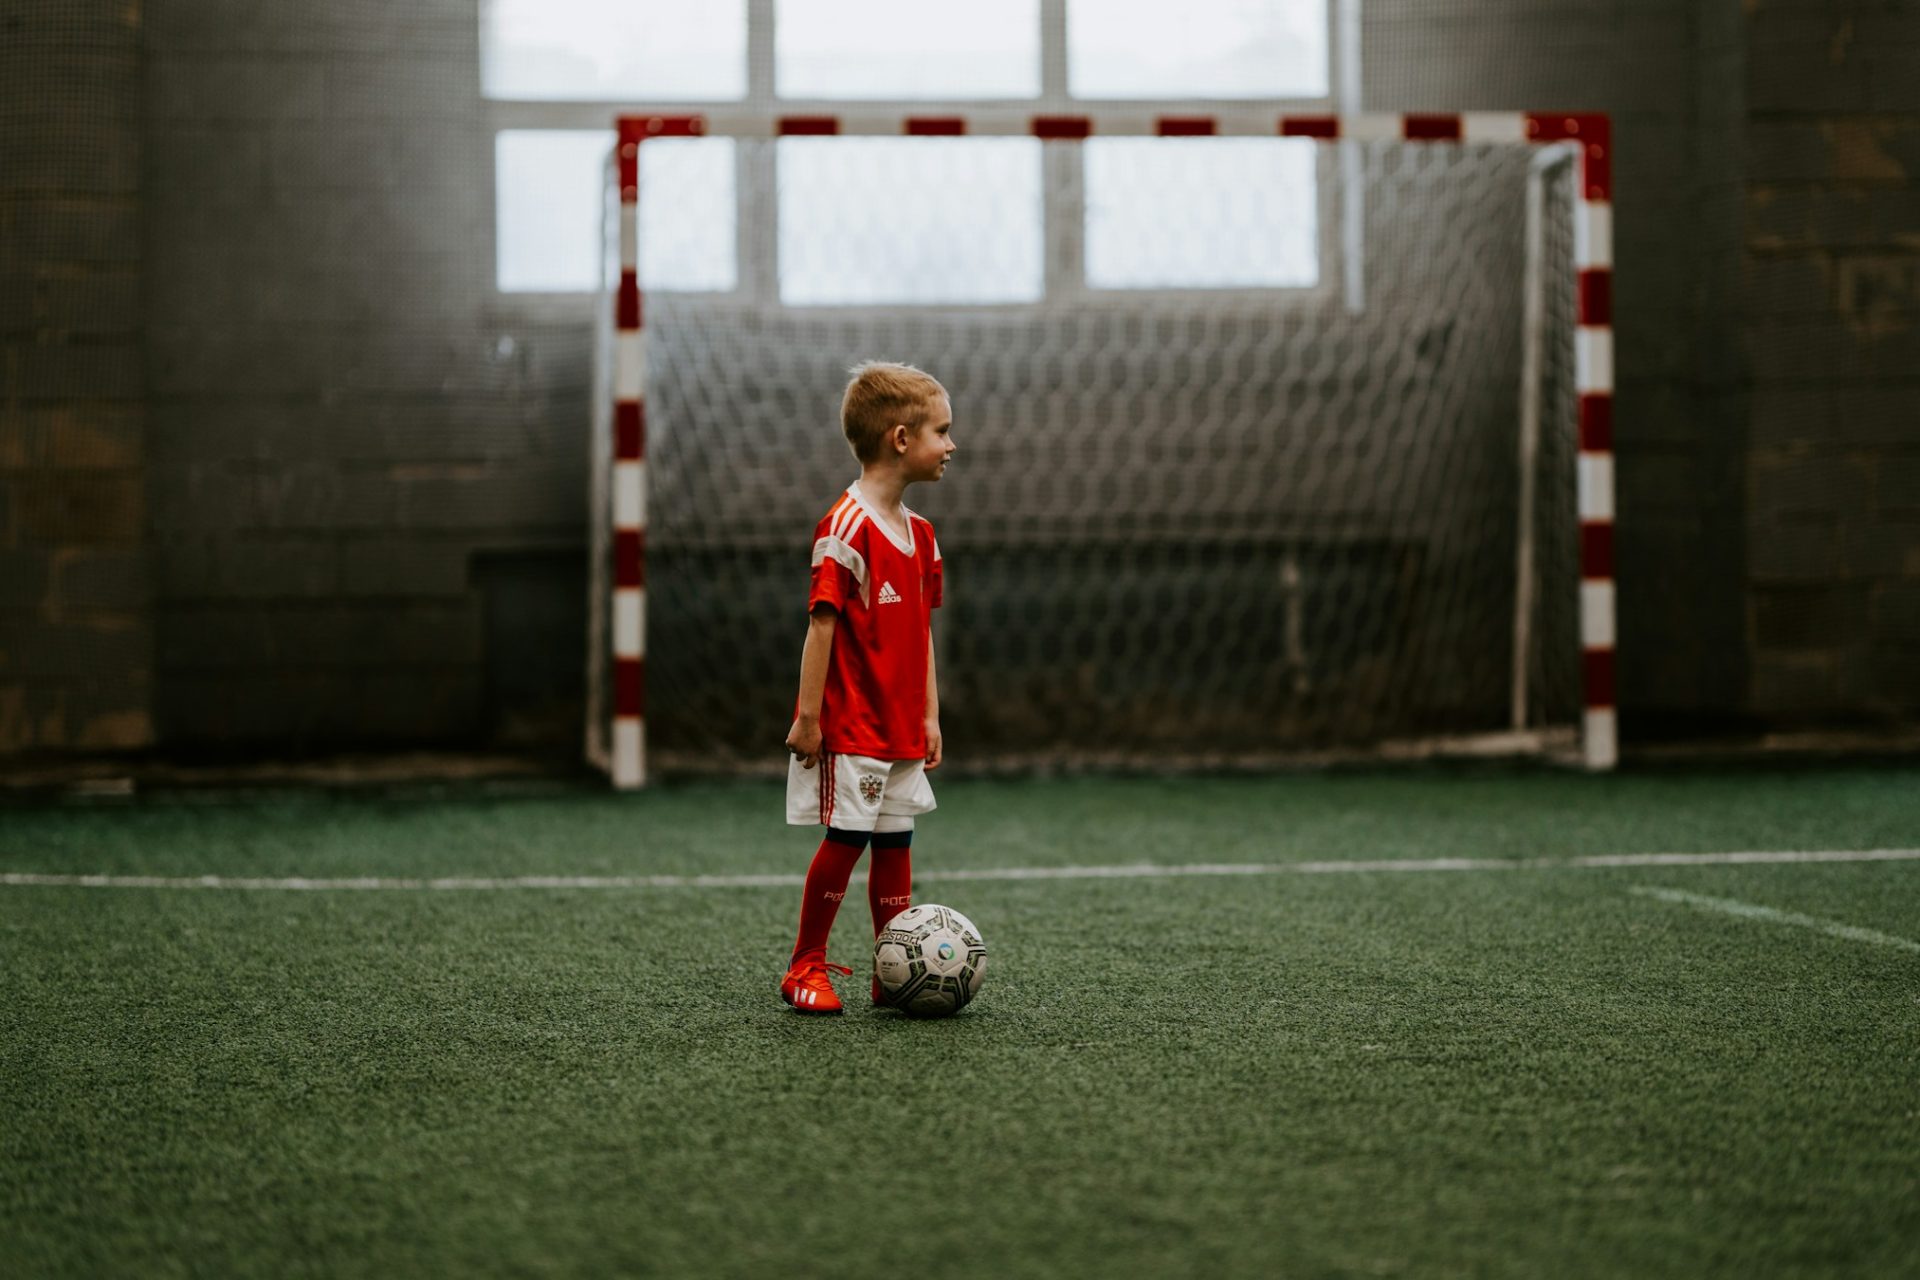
(857, 793)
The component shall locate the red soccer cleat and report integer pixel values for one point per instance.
(808, 988)
(879, 996)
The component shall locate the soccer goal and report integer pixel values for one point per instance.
(1317, 465)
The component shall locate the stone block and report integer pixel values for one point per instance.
(199, 498)
(1795, 687)
(1875, 413)
(92, 581)
(249, 88)
(1896, 484)
(203, 569)
(325, 496)
(1792, 419)
(67, 371)
(1896, 613)
(410, 567)
(404, 86)
(88, 508)
(299, 712)
(1824, 616)
(1805, 550)
(203, 430)
(57, 654)
(24, 575)
(1788, 485)
(227, 158)
(18, 299)
(352, 635)
(88, 301)
(227, 635)
(1811, 350)
(1880, 545)
(1790, 286)
(75, 229)
(530, 496)
(189, 360)
(1818, 69)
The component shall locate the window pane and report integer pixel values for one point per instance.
(1201, 213)
(550, 195)
(888, 220)
(1197, 49)
(887, 49)
(687, 211)
(614, 50)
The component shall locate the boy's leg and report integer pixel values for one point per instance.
(889, 880)
(890, 876)
(826, 885)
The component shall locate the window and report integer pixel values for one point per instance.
(550, 200)
(887, 49)
(613, 50)
(1197, 49)
(955, 220)
(1201, 213)
(1158, 214)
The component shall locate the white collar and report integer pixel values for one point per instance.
(906, 547)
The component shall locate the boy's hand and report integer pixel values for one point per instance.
(935, 748)
(804, 741)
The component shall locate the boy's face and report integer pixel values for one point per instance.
(930, 445)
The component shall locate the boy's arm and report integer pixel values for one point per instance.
(935, 747)
(804, 738)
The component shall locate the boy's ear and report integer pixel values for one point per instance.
(898, 435)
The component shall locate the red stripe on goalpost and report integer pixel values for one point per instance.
(936, 126)
(1186, 126)
(1327, 127)
(1596, 549)
(1596, 297)
(1063, 128)
(1431, 128)
(629, 688)
(1596, 422)
(1597, 665)
(630, 431)
(629, 558)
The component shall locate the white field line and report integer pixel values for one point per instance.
(1136, 871)
(1833, 928)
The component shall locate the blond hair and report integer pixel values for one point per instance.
(881, 395)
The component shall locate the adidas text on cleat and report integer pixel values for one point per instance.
(808, 988)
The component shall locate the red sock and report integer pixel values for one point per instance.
(826, 886)
(890, 877)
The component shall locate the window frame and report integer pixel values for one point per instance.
(1063, 206)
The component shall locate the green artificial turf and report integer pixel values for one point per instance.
(1517, 1073)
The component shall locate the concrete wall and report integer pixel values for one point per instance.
(279, 470)
(1830, 323)
(347, 431)
(75, 634)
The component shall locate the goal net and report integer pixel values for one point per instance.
(1289, 472)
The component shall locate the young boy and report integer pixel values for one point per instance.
(866, 727)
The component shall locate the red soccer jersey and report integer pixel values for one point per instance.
(884, 590)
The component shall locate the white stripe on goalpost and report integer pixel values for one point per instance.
(1136, 871)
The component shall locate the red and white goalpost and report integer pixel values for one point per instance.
(617, 734)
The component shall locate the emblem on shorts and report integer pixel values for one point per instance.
(870, 787)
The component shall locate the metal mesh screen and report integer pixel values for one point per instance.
(1184, 525)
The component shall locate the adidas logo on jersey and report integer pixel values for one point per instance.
(888, 595)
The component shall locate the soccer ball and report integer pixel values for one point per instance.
(929, 961)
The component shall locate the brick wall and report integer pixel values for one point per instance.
(1830, 320)
(344, 420)
(76, 637)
